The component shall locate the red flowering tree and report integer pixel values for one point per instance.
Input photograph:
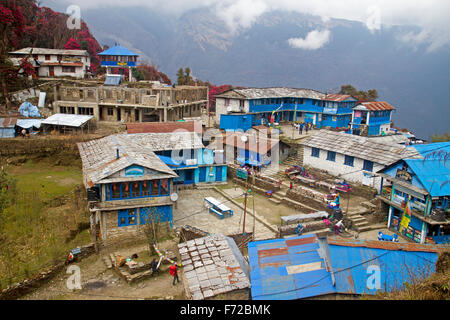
(215, 91)
(72, 44)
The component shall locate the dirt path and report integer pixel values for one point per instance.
(100, 283)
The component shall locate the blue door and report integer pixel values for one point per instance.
(202, 177)
(218, 173)
(188, 176)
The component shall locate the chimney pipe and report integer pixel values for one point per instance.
(117, 153)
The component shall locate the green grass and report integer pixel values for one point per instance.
(48, 181)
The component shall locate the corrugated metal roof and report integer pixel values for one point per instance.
(359, 147)
(353, 264)
(29, 123)
(113, 80)
(288, 269)
(163, 127)
(8, 122)
(276, 92)
(375, 106)
(426, 149)
(68, 120)
(338, 97)
(434, 175)
(117, 51)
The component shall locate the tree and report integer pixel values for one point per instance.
(187, 77)
(370, 95)
(180, 77)
(72, 44)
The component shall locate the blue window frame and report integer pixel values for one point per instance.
(127, 217)
(331, 156)
(368, 166)
(138, 189)
(315, 152)
(349, 161)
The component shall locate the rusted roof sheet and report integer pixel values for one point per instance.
(8, 122)
(252, 144)
(385, 245)
(377, 106)
(164, 127)
(338, 97)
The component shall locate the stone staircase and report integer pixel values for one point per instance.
(359, 223)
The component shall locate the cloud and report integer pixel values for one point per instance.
(314, 40)
(431, 16)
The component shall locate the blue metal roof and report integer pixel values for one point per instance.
(397, 265)
(426, 149)
(117, 51)
(434, 175)
(288, 269)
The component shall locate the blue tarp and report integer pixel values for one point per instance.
(29, 111)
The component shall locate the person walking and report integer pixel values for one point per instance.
(301, 129)
(306, 128)
(173, 270)
(291, 186)
(154, 267)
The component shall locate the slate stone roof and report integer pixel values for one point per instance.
(99, 157)
(276, 92)
(213, 265)
(360, 147)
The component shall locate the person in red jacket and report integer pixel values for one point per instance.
(173, 270)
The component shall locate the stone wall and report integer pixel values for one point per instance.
(306, 197)
(20, 289)
(308, 227)
(260, 182)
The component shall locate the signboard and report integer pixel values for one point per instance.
(404, 175)
(241, 174)
(134, 171)
(357, 114)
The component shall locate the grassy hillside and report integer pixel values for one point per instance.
(39, 226)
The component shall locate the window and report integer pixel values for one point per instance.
(135, 189)
(115, 191)
(324, 117)
(331, 156)
(145, 188)
(227, 102)
(349, 161)
(368, 166)
(68, 69)
(315, 152)
(110, 111)
(47, 57)
(155, 187)
(86, 111)
(67, 110)
(127, 217)
(241, 103)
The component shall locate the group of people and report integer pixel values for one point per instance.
(173, 270)
(300, 126)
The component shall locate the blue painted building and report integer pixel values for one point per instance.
(310, 267)
(118, 57)
(283, 104)
(423, 185)
(372, 118)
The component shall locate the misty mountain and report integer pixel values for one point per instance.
(414, 81)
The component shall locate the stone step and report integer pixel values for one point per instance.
(275, 201)
(112, 256)
(363, 229)
(107, 261)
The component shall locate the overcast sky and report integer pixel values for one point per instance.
(431, 16)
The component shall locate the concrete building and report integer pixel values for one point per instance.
(372, 118)
(128, 104)
(423, 185)
(55, 62)
(350, 157)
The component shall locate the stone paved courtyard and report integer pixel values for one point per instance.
(190, 210)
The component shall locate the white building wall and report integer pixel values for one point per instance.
(337, 167)
(234, 106)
